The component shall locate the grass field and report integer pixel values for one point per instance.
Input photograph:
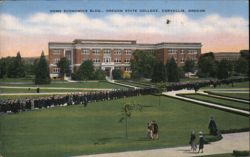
(13, 97)
(75, 130)
(224, 102)
(98, 84)
(32, 90)
(233, 95)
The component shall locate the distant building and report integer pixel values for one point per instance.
(232, 56)
(116, 54)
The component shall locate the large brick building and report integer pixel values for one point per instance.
(111, 54)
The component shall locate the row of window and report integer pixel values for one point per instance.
(57, 70)
(106, 51)
(107, 60)
(182, 60)
(174, 51)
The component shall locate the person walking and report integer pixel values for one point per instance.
(201, 142)
(192, 141)
(212, 126)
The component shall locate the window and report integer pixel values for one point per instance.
(172, 51)
(117, 51)
(107, 51)
(56, 52)
(128, 52)
(182, 51)
(127, 60)
(182, 60)
(193, 51)
(96, 60)
(117, 60)
(96, 51)
(56, 70)
(56, 60)
(85, 51)
(107, 60)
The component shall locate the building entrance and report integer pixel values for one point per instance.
(108, 70)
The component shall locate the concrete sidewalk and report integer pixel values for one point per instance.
(230, 142)
(214, 105)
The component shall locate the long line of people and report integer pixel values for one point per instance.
(19, 105)
(203, 83)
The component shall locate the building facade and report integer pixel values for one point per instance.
(116, 54)
(232, 56)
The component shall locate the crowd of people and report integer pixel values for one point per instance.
(198, 84)
(18, 105)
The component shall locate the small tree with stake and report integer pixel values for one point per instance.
(127, 112)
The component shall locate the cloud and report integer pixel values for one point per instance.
(70, 24)
(214, 31)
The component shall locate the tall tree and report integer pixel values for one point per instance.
(86, 71)
(142, 64)
(117, 74)
(3, 68)
(224, 69)
(207, 65)
(42, 71)
(242, 66)
(172, 71)
(159, 73)
(64, 65)
(16, 67)
(189, 66)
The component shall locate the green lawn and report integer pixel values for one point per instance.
(16, 80)
(75, 130)
(33, 90)
(224, 102)
(233, 95)
(13, 97)
(97, 84)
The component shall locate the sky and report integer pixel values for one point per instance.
(28, 25)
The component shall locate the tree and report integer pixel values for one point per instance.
(224, 69)
(100, 74)
(142, 64)
(42, 71)
(172, 71)
(189, 66)
(16, 67)
(159, 73)
(86, 71)
(3, 68)
(207, 65)
(117, 74)
(64, 66)
(127, 113)
(242, 66)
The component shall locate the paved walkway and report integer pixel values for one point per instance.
(173, 94)
(121, 84)
(224, 97)
(240, 142)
